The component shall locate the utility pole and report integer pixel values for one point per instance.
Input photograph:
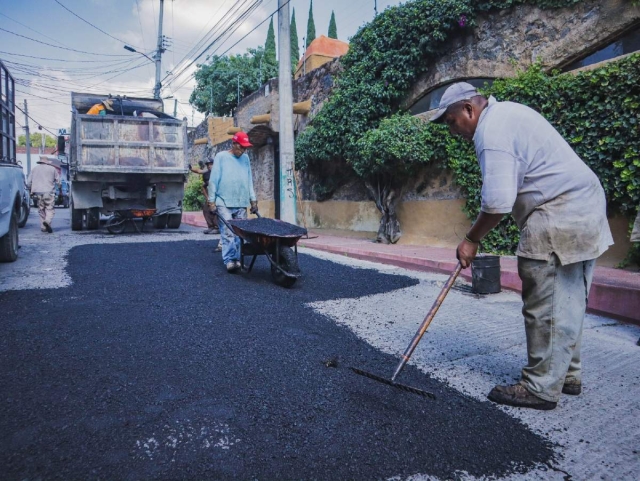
(287, 153)
(175, 108)
(375, 6)
(156, 89)
(28, 136)
(238, 90)
(42, 137)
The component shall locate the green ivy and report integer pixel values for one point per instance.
(360, 125)
(385, 58)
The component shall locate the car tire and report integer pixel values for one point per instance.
(76, 218)
(160, 221)
(9, 241)
(93, 218)
(174, 221)
(25, 209)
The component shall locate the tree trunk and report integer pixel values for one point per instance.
(386, 198)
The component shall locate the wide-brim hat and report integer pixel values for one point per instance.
(108, 104)
(457, 92)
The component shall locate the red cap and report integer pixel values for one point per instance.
(242, 138)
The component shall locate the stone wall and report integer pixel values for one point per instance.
(513, 39)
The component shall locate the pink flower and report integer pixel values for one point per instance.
(462, 21)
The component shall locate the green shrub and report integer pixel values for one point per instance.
(193, 197)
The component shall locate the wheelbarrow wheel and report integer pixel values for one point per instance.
(288, 262)
(116, 224)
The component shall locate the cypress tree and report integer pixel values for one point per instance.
(270, 44)
(311, 27)
(333, 28)
(295, 47)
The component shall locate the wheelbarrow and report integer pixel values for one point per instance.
(118, 221)
(275, 239)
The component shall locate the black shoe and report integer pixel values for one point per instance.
(518, 396)
(47, 226)
(571, 387)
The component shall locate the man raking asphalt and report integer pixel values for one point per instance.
(531, 172)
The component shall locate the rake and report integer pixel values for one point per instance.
(414, 343)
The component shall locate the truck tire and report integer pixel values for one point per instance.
(160, 221)
(174, 221)
(93, 218)
(65, 202)
(289, 263)
(25, 208)
(9, 241)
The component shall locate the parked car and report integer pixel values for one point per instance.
(62, 194)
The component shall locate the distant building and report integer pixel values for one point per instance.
(322, 50)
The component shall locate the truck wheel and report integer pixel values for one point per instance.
(160, 221)
(9, 241)
(289, 263)
(93, 218)
(25, 208)
(174, 221)
(65, 202)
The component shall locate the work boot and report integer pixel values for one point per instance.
(208, 231)
(571, 387)
(219, 248)
(47, 227)
(231, 267)
(239, 265)
(518, 396)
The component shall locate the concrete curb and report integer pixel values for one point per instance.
(614, 292)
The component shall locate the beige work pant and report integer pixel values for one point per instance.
(46, 203)
(554, 304)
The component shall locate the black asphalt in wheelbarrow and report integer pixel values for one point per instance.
(276, 240)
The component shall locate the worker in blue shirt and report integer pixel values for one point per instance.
(230, 191)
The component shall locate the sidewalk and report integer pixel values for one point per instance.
(614, 292)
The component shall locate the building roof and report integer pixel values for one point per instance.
(325, 47)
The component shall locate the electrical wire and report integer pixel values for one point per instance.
(38, 123)
(63, 59)
(63, 48)
(89, 23)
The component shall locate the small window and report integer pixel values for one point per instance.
(626, 44)
(431, 100)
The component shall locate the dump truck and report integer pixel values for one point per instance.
(134, 157)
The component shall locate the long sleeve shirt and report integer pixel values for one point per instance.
(231, 182)
(43, 179)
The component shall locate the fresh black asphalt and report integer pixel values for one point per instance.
(157, 364)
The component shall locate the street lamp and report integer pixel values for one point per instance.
(131, 49)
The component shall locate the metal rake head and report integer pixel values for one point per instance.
(388, 382)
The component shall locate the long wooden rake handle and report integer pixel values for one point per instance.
(427, 320)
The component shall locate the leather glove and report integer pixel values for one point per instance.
(254, 207)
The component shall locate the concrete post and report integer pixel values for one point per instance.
(28, 136)
(287, 155)
(160, 49)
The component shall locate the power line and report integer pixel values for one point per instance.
(63, 48)
(64, 59)
(45, 98)
(236, 23)
(38, 123)
(89, 23)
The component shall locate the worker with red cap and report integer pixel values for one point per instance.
(230, 191)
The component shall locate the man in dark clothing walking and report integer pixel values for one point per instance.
(210, 217)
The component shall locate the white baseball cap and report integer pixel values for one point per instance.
(455, 93)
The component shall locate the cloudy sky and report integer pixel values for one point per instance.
(70, 55)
